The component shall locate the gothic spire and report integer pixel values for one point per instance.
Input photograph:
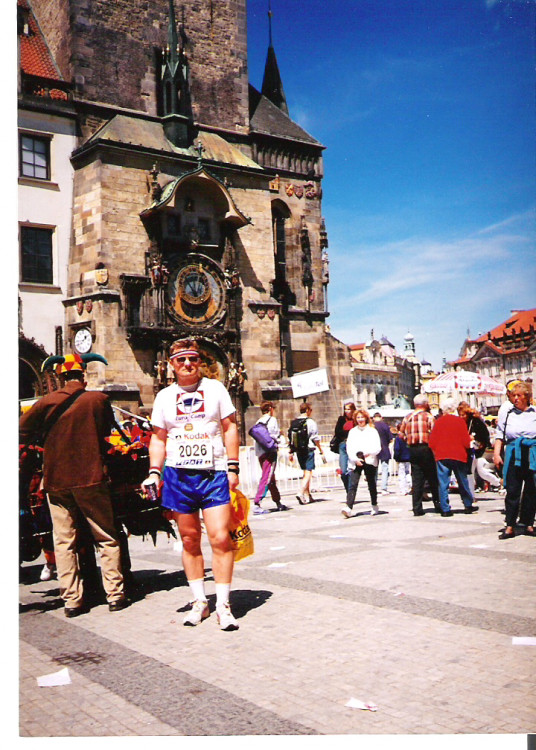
(272, 86)
(176, 102)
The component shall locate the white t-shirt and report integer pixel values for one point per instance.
(192, 418)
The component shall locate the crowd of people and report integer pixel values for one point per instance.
(432, 449)
(194, 468)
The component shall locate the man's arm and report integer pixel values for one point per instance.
(232, 445)
(157, 448)
(30, 424)
(497, 450)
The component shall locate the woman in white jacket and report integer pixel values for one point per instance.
(363, 445)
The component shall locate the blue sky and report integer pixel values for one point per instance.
(427, 112)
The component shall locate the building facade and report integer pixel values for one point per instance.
(46, 139)
(506, 352)
(382, 376)
(196, 205)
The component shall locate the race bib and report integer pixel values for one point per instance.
(189, 452)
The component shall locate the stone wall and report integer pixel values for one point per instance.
(109, 51)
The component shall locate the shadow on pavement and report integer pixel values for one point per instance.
(242, 601)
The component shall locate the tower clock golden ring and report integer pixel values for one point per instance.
(193, 285)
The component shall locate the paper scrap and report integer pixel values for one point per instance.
(525, 641)
(399, 593)
(274, 549)
(56, 678)
(479, 546)
(277, 565)
(355, 703)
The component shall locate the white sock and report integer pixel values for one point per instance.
(222, 593)
(197, 587)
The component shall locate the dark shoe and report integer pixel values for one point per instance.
(505, 535)
(447, 513)
(471, 509)
(419, 513)
(83, 609)
(529, 531)
(119, 604)
(282, 507)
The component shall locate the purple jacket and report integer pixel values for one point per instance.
(385, 438)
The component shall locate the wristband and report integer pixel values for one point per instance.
(155, 470)
(233, 470)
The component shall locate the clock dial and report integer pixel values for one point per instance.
(194, 285)
(83, 340)
(196, 292)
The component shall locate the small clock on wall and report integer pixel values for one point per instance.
(83, 340)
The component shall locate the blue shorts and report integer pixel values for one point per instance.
(306, 460)
(190, 490)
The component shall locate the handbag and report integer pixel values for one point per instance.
(259, 432)
(239, 529)
(334, 444)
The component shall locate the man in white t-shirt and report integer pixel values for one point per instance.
(194, 426)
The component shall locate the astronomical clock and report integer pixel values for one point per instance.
(196, 292)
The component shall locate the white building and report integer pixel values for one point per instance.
(47, 137)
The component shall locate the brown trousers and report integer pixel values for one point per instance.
(95, 504)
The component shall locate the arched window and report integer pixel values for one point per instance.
(280, 214)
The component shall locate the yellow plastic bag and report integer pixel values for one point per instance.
(239, 529)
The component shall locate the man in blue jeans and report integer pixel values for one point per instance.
(450, 442)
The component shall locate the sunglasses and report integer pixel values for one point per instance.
(182, 360)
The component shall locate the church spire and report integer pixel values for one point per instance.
(272, 86)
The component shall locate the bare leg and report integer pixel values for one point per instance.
(217, 526)
(192, 558)
(306, 482)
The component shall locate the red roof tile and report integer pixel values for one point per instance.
(521, 320)
(35, 57)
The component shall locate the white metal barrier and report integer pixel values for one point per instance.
(288, 474)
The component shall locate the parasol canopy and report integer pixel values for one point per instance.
(464, 381)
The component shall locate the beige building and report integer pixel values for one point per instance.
(196, 206)
(381, 376)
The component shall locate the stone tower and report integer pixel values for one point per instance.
(196, 205)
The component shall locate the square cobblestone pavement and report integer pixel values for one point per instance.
(416, 615)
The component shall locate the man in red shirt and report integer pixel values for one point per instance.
(450, 442)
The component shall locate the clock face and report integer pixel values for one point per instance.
(83, 340)
(194, 285)
(196, 292)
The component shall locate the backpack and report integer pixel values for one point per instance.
(259, 432)
(298, 435)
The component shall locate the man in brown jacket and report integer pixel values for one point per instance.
(74, 423)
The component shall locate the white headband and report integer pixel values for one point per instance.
(185, 353)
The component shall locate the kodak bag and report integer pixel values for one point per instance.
(239, 529)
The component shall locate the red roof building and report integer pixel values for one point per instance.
(506, 352)
(39, 73)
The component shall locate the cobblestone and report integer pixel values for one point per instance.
(404, 612)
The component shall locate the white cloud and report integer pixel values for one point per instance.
(435, 287)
